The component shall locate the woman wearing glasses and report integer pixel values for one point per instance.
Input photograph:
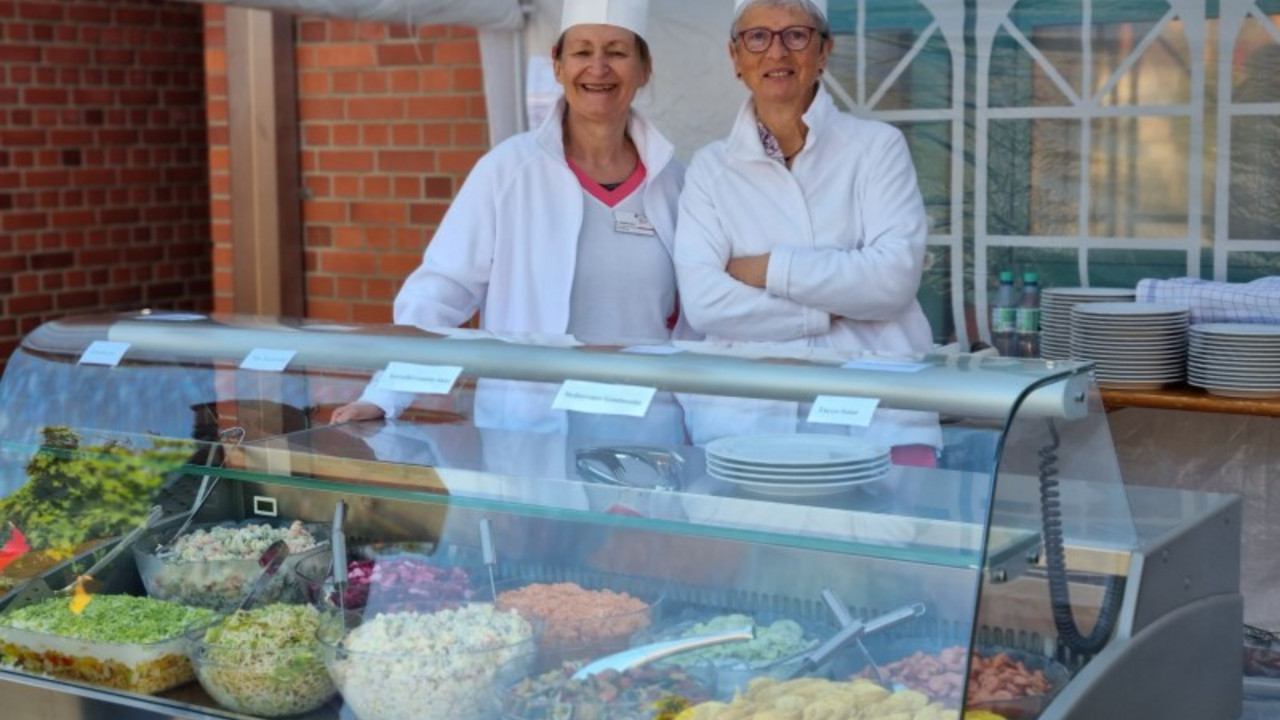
(804, 226)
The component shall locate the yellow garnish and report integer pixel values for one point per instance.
(79, 598)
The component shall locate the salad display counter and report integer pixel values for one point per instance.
(553, 530)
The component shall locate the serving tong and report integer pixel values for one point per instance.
(851, 630)
(338, 548)
(606, 465)
(207, 484)
(645, 654)
(270, 561)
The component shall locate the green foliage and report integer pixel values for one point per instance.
(76, 493)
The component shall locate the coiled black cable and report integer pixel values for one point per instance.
(1055, 560)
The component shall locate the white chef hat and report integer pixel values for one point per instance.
(631, 15)
(821, 5)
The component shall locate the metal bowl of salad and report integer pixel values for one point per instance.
(213, 565)
(265, 661)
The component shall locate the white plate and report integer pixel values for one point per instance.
(1129, 347)
(1140, 376)
(1140, 369)
(761, 472)
(794, 451)
(1131, 309)
(1256, 343)
(1235, 362)
(797, 489)
(1235, 379)
(1239, 330)
(1135, 384)
(1236, 354)
(1088, 292)
(1151, 326)
(790, 479)
(1145, 329)
(1227, 390)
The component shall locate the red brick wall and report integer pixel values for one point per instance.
(103, 182)
(392, 119)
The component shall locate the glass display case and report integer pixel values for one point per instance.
(547, 529)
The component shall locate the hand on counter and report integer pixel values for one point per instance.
(355, 412)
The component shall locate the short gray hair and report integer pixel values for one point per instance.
(816, 16)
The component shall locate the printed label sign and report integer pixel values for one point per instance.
(836, 410)
(104, 352)
(173, 317)
(604, 399)
(267, 359)
(652, 349)
(425, 379)
(886, 366)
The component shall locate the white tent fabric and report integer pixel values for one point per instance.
(693, 96)
(486, 14)
(502, 56)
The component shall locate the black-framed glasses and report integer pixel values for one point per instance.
(795, 38)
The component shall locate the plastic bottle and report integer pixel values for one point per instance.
(1003, 316)
(1027, 317)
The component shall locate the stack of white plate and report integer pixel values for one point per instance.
(1136, 346)
(796, 465)
(1235, 359)
(1055, 315)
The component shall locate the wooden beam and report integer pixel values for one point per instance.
(266, 215)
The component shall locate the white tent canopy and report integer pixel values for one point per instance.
(485, 14)
(693, 95)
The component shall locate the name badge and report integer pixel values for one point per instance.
(604, 399)
(837, 410)
(632, 223)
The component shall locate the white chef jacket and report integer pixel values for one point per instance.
(846, 228)
(508, 246)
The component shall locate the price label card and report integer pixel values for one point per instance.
(652, 349)
(104, 352)
(413, 378)
(886, 366)
(604, 399)
(267, 359)
(173, 317)
(835, 410)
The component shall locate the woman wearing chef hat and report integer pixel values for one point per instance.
(803, 227)
(566, 229)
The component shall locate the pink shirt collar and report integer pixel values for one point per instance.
(609, 197)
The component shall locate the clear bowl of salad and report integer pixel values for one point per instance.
(265, 661)
(776, 650)
(578, 623)
(639, 693)
(213, 565)
(425, 664)
(390, 577)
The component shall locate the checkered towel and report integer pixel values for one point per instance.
(1251, 302)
